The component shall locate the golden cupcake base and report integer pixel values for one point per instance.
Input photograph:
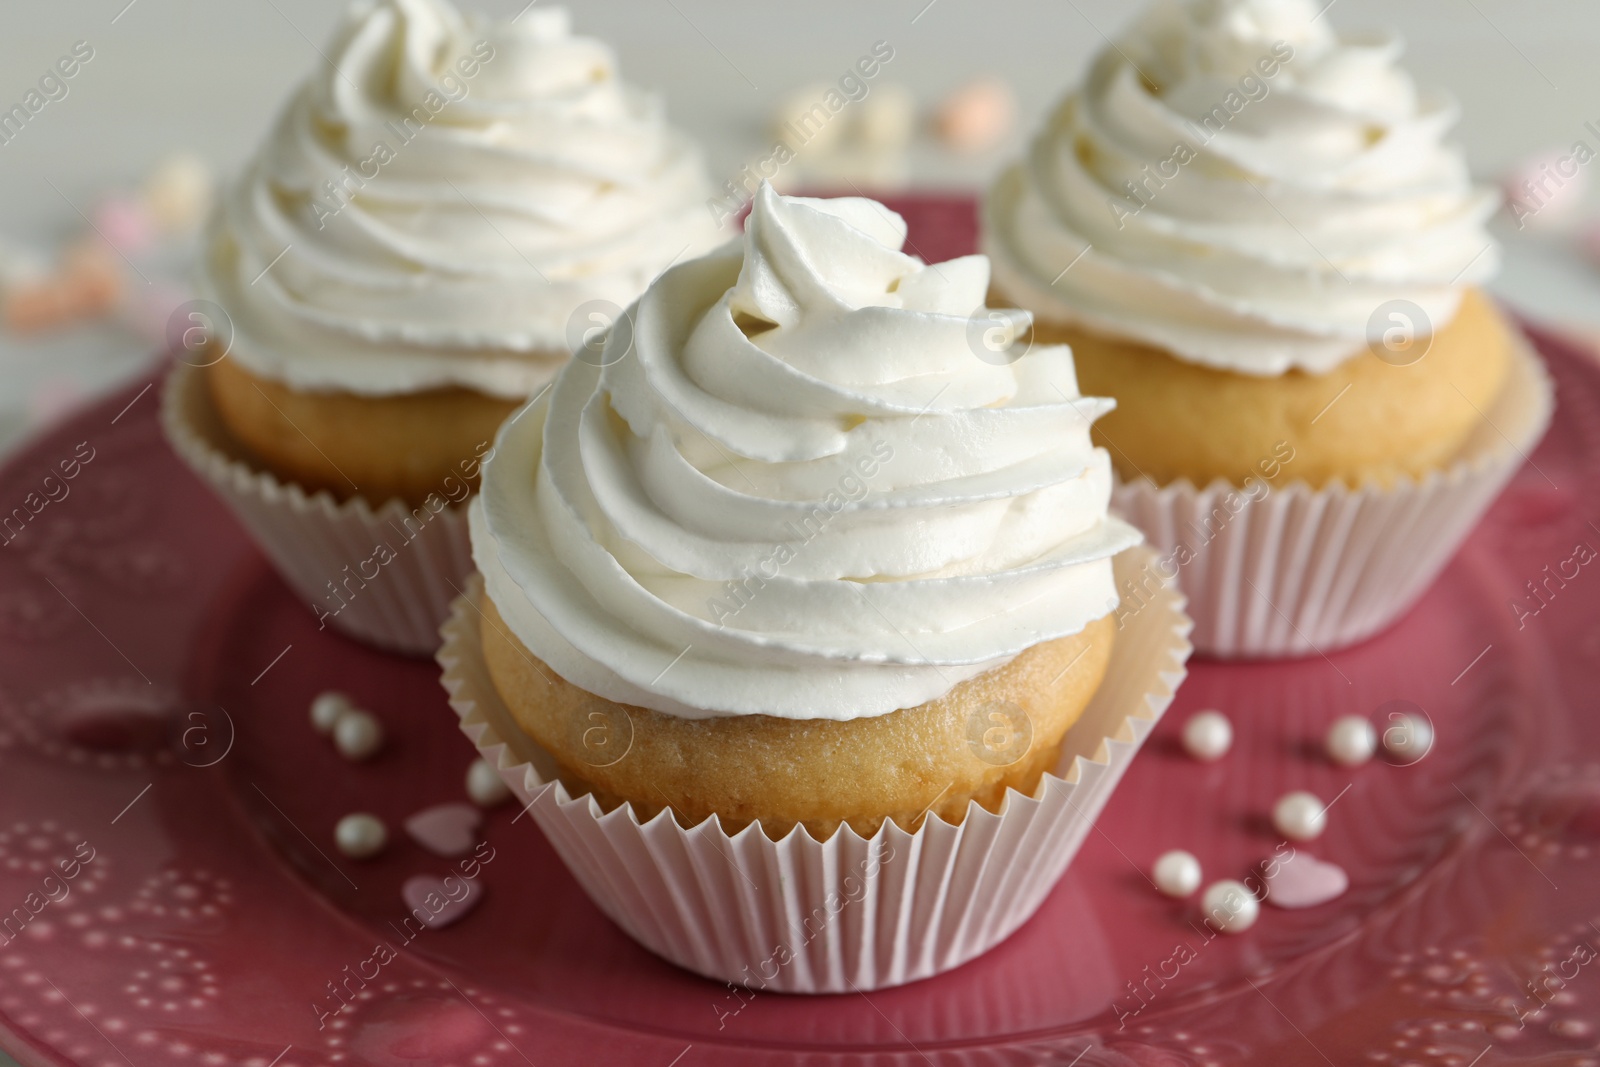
(996, 732)
(1367, 420)
(408, 446)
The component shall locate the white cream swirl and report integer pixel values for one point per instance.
(793, 489)
(1244, 189)
(440, 196)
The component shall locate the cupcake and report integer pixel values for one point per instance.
(443, 212)
(799, 535)
(1254, 235)
(792, 563)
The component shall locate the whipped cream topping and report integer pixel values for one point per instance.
(791, 488)
(1245, 188)
(440, 196)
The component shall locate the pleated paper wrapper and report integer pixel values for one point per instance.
(1301, 571)
(314, 540)
(848, 913)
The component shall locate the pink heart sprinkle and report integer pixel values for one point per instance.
(445, 830)
(438, 902)
(1303, 881)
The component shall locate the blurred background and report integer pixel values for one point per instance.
(179, 92)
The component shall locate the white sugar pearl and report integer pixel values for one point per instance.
(485, 786)
(1351, 741)
(327, 709)
(1300, 816)
(360, 836)
(1408, 738)
(1230, 907)
(888, 118)
(1177, 873)
(1207, 735)
(179, 193)
(357, 734)
(795, 113)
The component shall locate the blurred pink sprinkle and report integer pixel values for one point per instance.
(976, 116)
(437, 902)
(1303, 881)
(1545, 190)
(150, 306)
(124, 222)
(53, 398)
(1591, 242)
(446, 829)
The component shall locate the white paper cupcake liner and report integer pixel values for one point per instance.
(313, 540)
(1303, 570)
(849, 913)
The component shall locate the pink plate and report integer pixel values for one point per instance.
(154, 737)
